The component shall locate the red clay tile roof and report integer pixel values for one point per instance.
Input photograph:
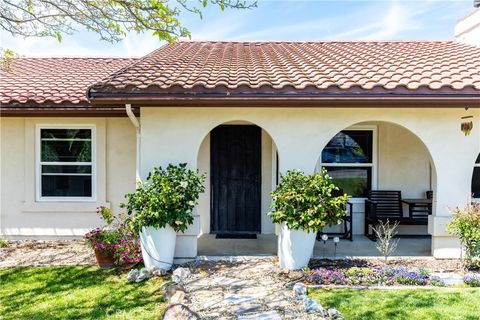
(54, 81)
(300, 67)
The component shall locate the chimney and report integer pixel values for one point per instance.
(467, 29)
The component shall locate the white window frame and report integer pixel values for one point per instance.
(373, 165)
(39, 163)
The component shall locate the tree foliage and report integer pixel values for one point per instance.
(111, 19)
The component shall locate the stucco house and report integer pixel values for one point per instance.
(76, 133)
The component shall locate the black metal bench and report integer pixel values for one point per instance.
(383, 205)
(347, 221)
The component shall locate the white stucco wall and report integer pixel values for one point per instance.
(467, 29)
(22, 216)
(173, 135)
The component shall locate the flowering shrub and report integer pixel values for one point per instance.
(167, 197)
(304, 201)
(385, 276)
(466, 225)
(473, 280)
(115, 239)
(127, 252)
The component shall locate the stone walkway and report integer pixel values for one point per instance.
(250, 289)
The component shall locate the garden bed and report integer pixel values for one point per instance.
(357, 274)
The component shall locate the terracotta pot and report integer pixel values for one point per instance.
(104, 260)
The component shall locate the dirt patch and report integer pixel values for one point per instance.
(46, 253)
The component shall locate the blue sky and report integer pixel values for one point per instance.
(277, 20)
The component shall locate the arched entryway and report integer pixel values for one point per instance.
(240, 159)
(379, 155)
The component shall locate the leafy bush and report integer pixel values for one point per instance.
(167, 197)
(473, 280)
(466, 225)
(306, 202)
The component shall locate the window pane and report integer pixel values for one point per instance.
(65, 145)
(349, 146)
(66, 169)
(476, 182)
(354, 181)
(66, 186)
(66, 134)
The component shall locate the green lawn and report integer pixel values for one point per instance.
(421, 304)
(76, 293)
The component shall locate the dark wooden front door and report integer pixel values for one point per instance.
(235, 161)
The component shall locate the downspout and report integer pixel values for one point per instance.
(136, 124)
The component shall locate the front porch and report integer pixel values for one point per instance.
(266, 245)
(409, 150)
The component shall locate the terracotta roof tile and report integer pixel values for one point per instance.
(32, 81)
(296, 66)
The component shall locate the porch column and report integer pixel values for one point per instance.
(165, 140)
(454, 168)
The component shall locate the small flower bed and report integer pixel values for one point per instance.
(472, 280)
(383, 276)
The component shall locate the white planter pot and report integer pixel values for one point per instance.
(158, 246)
(295, 247)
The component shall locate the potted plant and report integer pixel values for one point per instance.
(114, 244)
(163, 205)
(303, 205)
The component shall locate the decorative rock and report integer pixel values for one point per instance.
(267, 315)
(143, 275)
(313, 306)
(334, 314)
(132, 275)
(300, 291)
(180, 275)
(171, 289)
(177, 298)
(179, 312)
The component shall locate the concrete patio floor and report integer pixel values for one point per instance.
(266, 245)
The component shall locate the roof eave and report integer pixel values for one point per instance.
(291, 100)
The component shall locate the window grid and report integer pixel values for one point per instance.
(40, 164)
(371, 164)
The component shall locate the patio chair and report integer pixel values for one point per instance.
(347, 220)
(382, 205)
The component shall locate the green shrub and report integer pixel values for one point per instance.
(306, 202)
(167, 197)
(466, 225)
(3, 242)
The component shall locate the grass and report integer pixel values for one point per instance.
(76, 293)
(420, 304)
